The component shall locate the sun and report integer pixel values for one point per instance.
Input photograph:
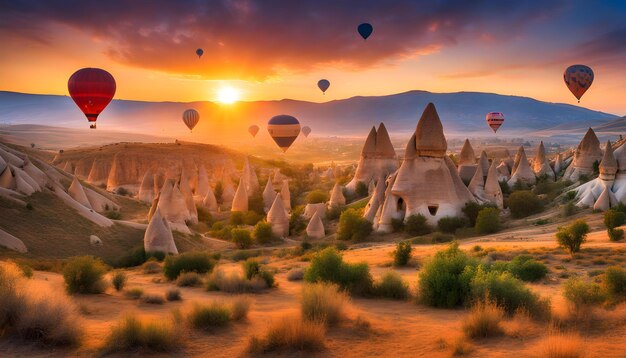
(227, 95)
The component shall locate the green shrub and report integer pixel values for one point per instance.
(131, 333)
(84, 274)
(612, 219)
(251, 268)
(262, 233)
(527, 269)
(361, 190)
(194, 261)
(488, 221)
(450, 224)
(328, 266)
(508, 292)
(188, 279)
(135, 257)
(113, 215)
(118, 279)
(582, 294)
(391, 285)
(573, 236)
(204, 215)
(237, 218)
(122, 191)
(352, 226)
(416, 225)
(616, 234)
(241, 238)
(209, 316)
(316, 197)
(134, 293)
(252, 218)
(334, 212)
(297, 224)
(397, 225)
(471, 210)
(402, 253)
(614, 283)
(524, 203)
(153, 299)
(445, 279)
(569, 209)
(173, 294)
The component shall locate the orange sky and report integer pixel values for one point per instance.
(472, 56)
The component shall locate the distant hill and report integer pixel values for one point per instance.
(461, 112)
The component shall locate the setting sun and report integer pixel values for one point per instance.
(227, 95)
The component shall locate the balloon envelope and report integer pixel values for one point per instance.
(191, 117)
(92, 89)
(306, 130)
(284, 130)
(365, 30)
(253, 130)
(199, 52)
(578, 79)
(323, 85)
(495, 120)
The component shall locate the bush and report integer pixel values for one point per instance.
(239, 308)
(84, 274)
(582, 294)
(113, 215)
(173, 294)
(483, 320)
(204, 215)
(119, 280)
(297, 224)
(194, 261)
(316, 197)
(209, 316)
(507, 292)
(252, 268)
(262, 233)
(353, 226)
(397, 225)
(252, 217)
(291, 334)
(122, 191)
(402, 253)
(616, 234)
(439, 238)
(524, 203)
(569, 209)
(188, 279)
(295, 274)
(153, 299)
(361, 190)
(527, 269)
(131, 333)
(151, 267)
(488, 221)
(471, 210)
(237, 218)
(233, 282)
(134, 293)
(391, 285)
(450, 224)
(613, 219)
(135, 258)
(445, 279)
(416, 225)
(241, 238)
(328, 266)
(323, 303)
(573, 236)
(614, 283)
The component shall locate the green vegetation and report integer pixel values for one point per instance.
(241, 238)
(416, 225)
(352, 226)
(194, 261)
(84, 274)
(573, 236)
(131, 333)
(612, 219)
(471, 210)
(188, 279)
(614, 283)
(450, 224)
(316, 197)
(391, 285)
(582, 294)
(402, 253)
(118, 279)
(524, 203)
(328, 266)
(526, 268)
(323, 302)
(488, 221)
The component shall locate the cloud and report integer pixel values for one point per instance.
(246, 39)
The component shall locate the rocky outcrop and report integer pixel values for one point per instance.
(11, 242)
(541, 166)
(315, 228)
(172, 204)
(522, 173)
(337, 198)
(375, 202)
(158, 236)
(209, 201)
(467, 162)
(277, 218)
(240, 201)
(310, 209)
(609, 188)
(587, 153)
(146, 189)
(492, 190)
(250, 178)
(269, 194)
(203, 183)
(185, 189)
(77, 193)
(286, 195)
(378, 158)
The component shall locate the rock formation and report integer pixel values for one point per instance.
(315, 228)
(240, 201)
(7, 180)
(492, 190)
(522, 171)
(587, 153)
(558, 164)
(541, 166)
(337, 198)
(286, 195)
(609, 188)
(11, 242)
(158, 236)
(210, 202)
(250, 178)
(484, 160)
(185, 189)
(269, 194)
(203, 183)
(77, 193)
(277, 218)
(310, 209)
(378, 158)
(172, 205)
(503, 172)
(427, 182)
(375, 202)
(467, 162)
(95, 241)
(99, 172)
(146, 190)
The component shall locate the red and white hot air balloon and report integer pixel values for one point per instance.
(92, 89)
(495, 120)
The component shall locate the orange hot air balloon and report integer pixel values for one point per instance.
(578, 79)
(306, 130)
(191, 117)
(495, 120)
(92, 89)
(253, 130)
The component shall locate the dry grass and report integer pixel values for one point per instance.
(563, 345)
(484, 320)
(173, 294)
(290, 333)
(134, 293)
(153, 299)
(209, 316)
(520, 326)
(296, 274)
(151, 267)
(234, 282)
(189, 279)
(132, 332)
(461, 347)
(239, 308)
(322, 302)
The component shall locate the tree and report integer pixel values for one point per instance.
(613, 219)
(219, 190)
(524, 203)
(573, 236)
(488, 221)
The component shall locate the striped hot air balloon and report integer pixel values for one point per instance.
(578, 79)
(495, 120)
(306, 130)
(284, 129)
(191, 118)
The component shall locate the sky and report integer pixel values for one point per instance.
(269, 50)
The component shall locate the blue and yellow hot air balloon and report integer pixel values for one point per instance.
(284, 130)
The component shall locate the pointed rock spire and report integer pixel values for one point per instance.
(558, 164)
(523, 172)
(277, 218)
(377, 199)
(185, 190)
(6, 179)
(541, 165)
(370, 144)
(172, 203)
(158, 236)
(286, 195)
(429, 138)
(518, 155)
(586, 154)
(336, 196)
(477, 184)
(146, 189)
(467, 155)
(209, 201)
(608, 165)
(492, 190)
(240, 201)
(384, 148)
(77, 193)
(484, 161)
(269, 194)
(315, 228)
(203, 182)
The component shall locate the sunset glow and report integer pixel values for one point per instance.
(228, 95)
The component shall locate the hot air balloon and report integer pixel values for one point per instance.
(365, 30)
(306, 130)
(92, 89)
(253, 130)
(495, 120)
(199, 52)
(578, 79)
(284, 130)
(323, 85)
(191, 118)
